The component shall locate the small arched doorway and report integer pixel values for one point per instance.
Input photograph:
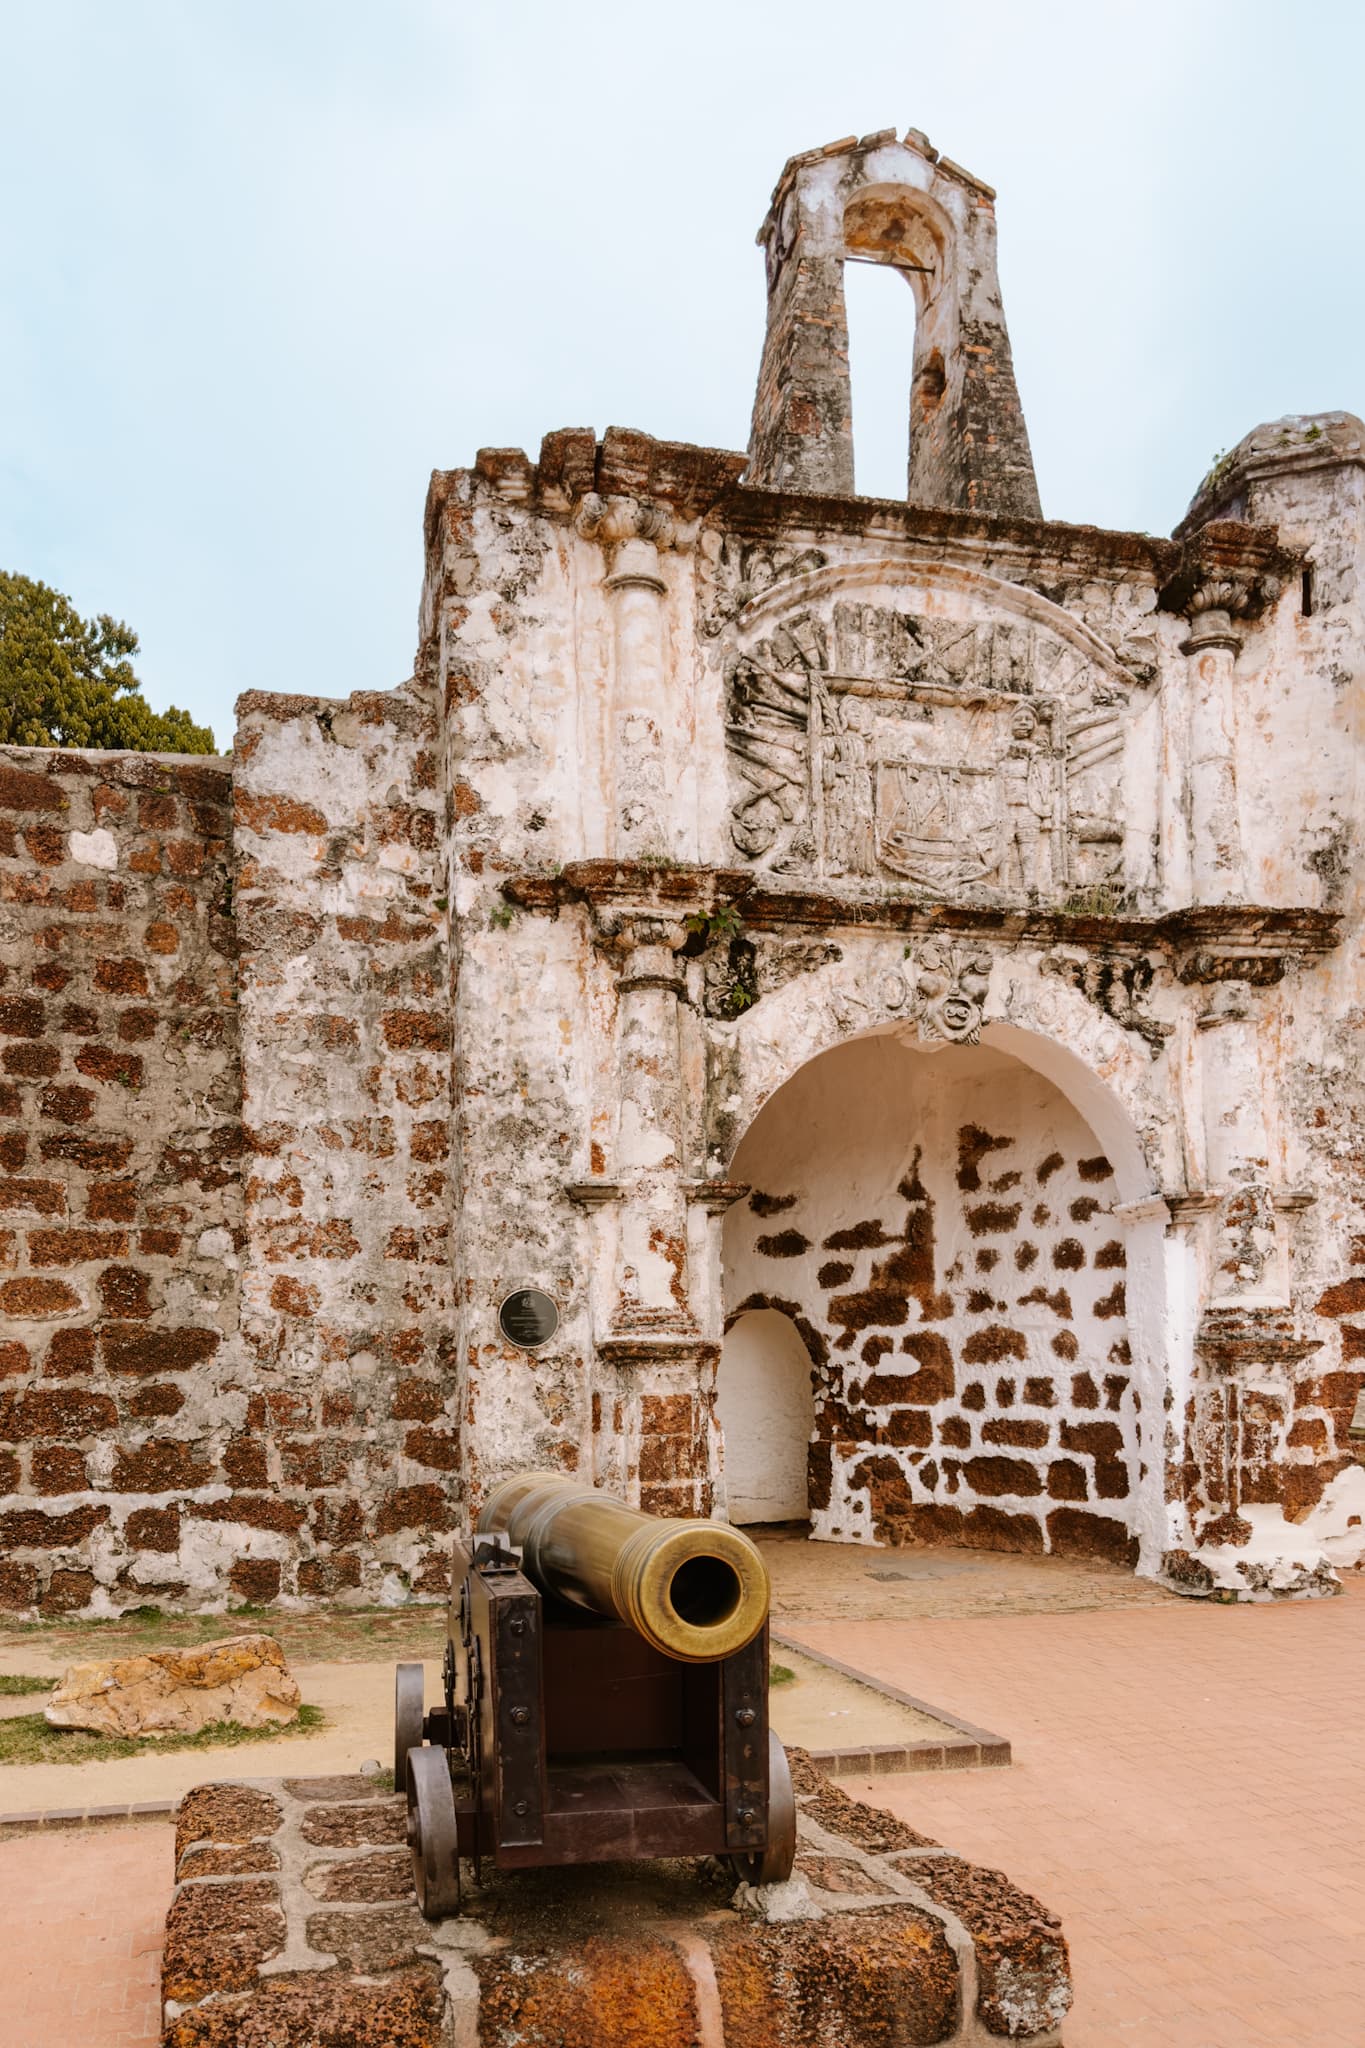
(765, 1405)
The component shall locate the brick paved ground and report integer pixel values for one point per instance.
(1188, 1792)
(80, 1937)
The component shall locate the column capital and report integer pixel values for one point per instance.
(631, 532)
(1228, 575)
(1229, 1003)
(1211, 609)
(642, 941)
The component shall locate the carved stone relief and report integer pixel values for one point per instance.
(940, 988)
(950, 992)
(739, 974)
(1121, 988)
(966, 756)
(733, 573)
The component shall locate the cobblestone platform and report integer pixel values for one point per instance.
(294, 1922)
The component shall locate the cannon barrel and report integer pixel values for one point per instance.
(696, 1590)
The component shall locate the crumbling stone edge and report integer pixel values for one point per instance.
(123, 1815)
(972, 1749)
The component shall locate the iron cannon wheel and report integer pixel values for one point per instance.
(773, 1865)
(408, 1715)
(433, 1841)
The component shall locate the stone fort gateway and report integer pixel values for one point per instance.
(887, 973)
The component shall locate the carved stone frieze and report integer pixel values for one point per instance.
(734, 572)
(940, 990)
(741, 972)
(873, 744)
(1261, 970)
(1119, 987)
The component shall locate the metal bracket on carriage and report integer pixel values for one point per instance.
(495, 1554)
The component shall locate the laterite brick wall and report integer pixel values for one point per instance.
(225, 1324)
(347, 1475)
(120, 1172)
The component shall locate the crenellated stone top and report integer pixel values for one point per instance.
(1298, 443)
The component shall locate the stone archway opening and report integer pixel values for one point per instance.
(936, 1225)
(765, 1405)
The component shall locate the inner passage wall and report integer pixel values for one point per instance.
(937, 1227)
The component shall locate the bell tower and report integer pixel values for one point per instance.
(901, 204)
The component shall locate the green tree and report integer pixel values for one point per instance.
(66, 681)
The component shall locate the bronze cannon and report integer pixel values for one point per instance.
(605, 1697)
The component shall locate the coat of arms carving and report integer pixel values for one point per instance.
(976, 756)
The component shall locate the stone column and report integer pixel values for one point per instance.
(632, 533)
(651, 1271)
(658, 1364)
(1215, 855)
(1247, 1344)
(1158, 1334)
(1250, 1268)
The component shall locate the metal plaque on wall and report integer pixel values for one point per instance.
(528, 1318)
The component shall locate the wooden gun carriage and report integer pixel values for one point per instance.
(605, 1698)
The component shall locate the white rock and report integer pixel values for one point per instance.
(94, 849)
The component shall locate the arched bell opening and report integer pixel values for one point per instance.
(940, 1228)
(881, 349)
(895, 243)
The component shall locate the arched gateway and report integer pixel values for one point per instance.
(937, 1240)
(913, 946)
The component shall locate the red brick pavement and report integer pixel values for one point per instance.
(81, 1920)
(1188, 1792)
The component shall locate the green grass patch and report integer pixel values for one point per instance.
(27, 1739)
(781, 1674)
(17, 1685)
(345, 1634)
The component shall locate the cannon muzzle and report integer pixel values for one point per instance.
(696, 1590)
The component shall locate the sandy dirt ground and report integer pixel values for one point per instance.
(357, 1700)
(353, 1685)
(818, 1709)
(857, 1582)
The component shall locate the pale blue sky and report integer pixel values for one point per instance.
(267, 263)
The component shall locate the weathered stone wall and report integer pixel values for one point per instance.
(120, 1173)
(801, 803)
(344, 1476)
(698, 781)
(224, 1268)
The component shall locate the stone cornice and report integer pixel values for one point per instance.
(1236, 1335)
(1209, 943)
(716, 1196)
(695, 483)
(574, 465)
(1022, 548)
(656, 1347)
